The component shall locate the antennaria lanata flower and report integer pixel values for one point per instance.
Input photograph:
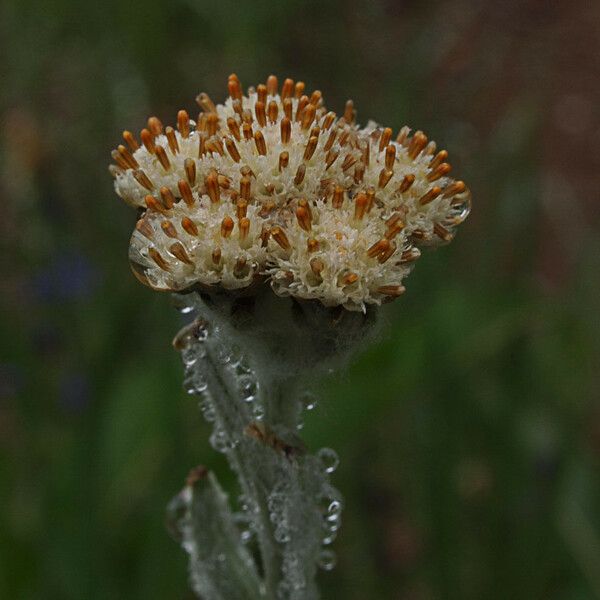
(271, 192)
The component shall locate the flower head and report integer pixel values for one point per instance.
(272, 187)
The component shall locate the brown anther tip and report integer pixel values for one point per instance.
(386, 254)
(183, 123)
(300, 173)
(287, 89)
(440, 171)
(261, 115)
(284, 159)
(272, 111)
(127, 157)
(158, 259)
(234, 128)
(349, 111)
(177, 249)
(244, 227)
(186, 192)
(172, 140)
(350, 278)
(438, 159)
(143, 179)
(155, 126)
(280, 237)
(121, 162)
(224, 181)
(168, 229)
(330, 158)
(390, 156)
(410, 255)
(378, 248)
(167, 197)
(403, 135)
(232, 149)
(272, 85)
(349, 161)
(416, 145)
(303, 217)
(308, 115)
(330, 141)
(245, 187)
(240, 266)
(431, 195)
(302, 104)
(241, 208)
(316, 266)
(370, 199)
(299, 89)
(189, 165)
(316, 97)
(153, 204)
(338, 197)
(189, 226)
(144, 228)
(328, 120)
(226, 227)
(202, 138)
(205, 103)
(312, 245)
(212, 123)
(247, 131)
(384, 140)
(359, 172)
(360, 206)
(130, 140)
(148, 140)
(442, 232)
(394, 228)
(235, 89)
(391, 290)
(163, 159)
(211, 182)
(311, 146)
(286, 130)
(406, 183)
(458, 187)
(287, 108)
(384, 177)
(216, 256)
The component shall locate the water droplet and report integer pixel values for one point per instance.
(327, 559)
(224, 355)
(207, 409)
(309, 400)
(242, 368)
(248, 388)
(334, 510)
(258, 411)
(220, 441)
(246, 536)
(189, 355)
(281, 534)
(329, 459)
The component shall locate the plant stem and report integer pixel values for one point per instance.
(287, 500)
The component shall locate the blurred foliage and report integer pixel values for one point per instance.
(469, 435)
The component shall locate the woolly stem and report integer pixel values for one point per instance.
(250, 392)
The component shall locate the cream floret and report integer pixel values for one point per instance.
(273, 187)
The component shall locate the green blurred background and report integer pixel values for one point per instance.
(469, 436)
